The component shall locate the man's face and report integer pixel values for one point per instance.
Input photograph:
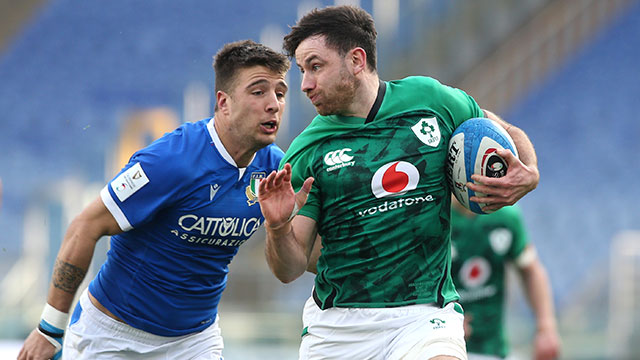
(326, 78)
(256, 104)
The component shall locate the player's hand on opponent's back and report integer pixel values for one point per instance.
(506, 190)
(278, 202)
(36, 347)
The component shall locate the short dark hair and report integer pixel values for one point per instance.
(344, 28)
(243, 54)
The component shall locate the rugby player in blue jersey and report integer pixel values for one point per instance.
(177, 213)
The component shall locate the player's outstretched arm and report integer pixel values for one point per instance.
(72, 262)
(538, 291)
(289, 238)
(521, 178)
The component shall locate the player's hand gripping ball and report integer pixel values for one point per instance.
(472, 150)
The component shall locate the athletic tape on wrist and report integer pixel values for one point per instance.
(56, 342)
(51, 327)
(45, 329)
(294, 212)
(54, 317)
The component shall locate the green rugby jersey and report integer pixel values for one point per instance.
(380, 196)
(482, 247)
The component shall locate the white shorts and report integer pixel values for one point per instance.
(406, 332)
(98, 336)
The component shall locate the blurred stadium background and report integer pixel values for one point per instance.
(84, 84)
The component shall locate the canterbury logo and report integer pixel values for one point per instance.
(337, 157)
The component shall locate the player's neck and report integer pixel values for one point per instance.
(365, 96)
(243, 158)
(237, 148)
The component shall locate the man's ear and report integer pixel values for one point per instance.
(222, 103)
(358, 59)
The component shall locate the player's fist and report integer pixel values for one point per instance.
(37, 347)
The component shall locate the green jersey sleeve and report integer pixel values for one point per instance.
(451, 105)
(513, 219)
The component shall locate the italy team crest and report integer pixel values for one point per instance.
(252, 189)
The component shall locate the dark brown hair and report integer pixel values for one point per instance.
(243, 54)
(344, 28)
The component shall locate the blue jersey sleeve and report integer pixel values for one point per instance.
(150, 182)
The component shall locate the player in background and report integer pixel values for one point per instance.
(177, 213)
(370, 176)
(482, 247)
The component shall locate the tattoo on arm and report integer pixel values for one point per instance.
(67, 277)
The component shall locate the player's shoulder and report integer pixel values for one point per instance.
(319, 128)
(270, 156)
(273, 150)
(177, 149)
(298, 146)
(423, 91)
(185, 133)
(418, 80)
(191, 131)
(411, 83)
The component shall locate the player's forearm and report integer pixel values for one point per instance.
(286, 255)
(526, 152)
(312, 265)
(71, 265)
(539, 296)
(546, 340)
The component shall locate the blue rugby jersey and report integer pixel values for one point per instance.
(185, 208)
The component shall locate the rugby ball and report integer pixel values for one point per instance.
(472, 150)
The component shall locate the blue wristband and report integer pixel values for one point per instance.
(50, 330)
(54, 335)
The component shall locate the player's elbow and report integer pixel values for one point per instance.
(285, 267)
(283, 273)
(286, 277)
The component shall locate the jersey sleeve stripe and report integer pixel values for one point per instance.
(527, 257)
(114, 209)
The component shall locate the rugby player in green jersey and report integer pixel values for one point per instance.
(482, 246)
(371, 182)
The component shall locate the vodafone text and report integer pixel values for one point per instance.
(396, 204)
(477, 293)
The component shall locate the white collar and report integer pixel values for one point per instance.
(222, 150)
